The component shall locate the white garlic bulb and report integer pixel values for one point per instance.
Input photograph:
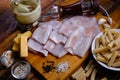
(6, 58)
(109, 20)
(101, 21)
(106, 25)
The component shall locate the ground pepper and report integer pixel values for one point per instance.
(48, 66)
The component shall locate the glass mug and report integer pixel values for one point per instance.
(26, 11)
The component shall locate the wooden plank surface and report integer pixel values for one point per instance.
(37, 60)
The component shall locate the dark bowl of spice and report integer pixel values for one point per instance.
(20, 69)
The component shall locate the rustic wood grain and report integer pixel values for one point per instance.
(4, 5)
(37, 60)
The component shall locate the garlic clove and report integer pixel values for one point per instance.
(4, 61)
(101, 21)
(6, 58)
(106, 26)
(7, 54)
(109, 20)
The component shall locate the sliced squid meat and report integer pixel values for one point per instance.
(73, 35)
(49, 45)
(78, 43)
(36, 47)
(41, 34)
(52, 23)
(70, 25)
(67, 28)
(58, 50)
(74, 39)
(56, 24)
(80, 39)
(84, 47)
(89, 23)
(91, 26)
(55, 49)
(57, 37)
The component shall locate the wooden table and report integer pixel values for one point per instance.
(6, 40)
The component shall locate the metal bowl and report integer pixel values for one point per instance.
(20, 69)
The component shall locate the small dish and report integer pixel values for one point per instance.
(94, 56)
(20, 69)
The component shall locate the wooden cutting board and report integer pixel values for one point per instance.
(74, 61)
(37, 62)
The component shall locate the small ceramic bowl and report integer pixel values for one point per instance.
(20, 69)
(27, 17)
(94, 56)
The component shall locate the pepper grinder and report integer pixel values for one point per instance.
(83, 7)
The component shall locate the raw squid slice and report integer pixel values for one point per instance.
(41, 34)
(79, 42)
(80, 39)
(36, 47)
(57, 37)
(55, 49)
(73, 35)
(81, 49)
(67, 28)
(58, 50)
(55, 24)
(74, 39)
(52, 23)
(89, 23)
(49, 45)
